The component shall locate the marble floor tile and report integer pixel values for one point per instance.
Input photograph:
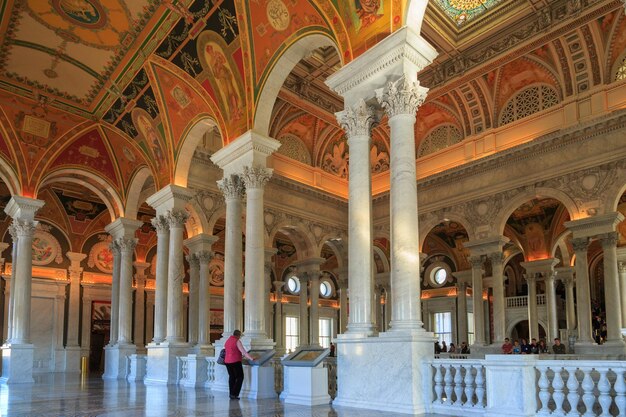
(69, 396)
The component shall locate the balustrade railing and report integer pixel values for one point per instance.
(182, 368)
(210, 369)
(522, 301)
(581, 388)
(458, 385)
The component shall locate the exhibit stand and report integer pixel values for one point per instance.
(305, 378)
(258, 382)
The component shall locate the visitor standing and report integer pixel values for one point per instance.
(234, 353)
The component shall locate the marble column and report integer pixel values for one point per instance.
(175, 276)
(14, 239)
(477, 298)
(150, 297)
(115, 293)
(553, 323)
(583, 297)
(204, 302)
(304, 310)
(462, 278)
(127, 248)
(387, 306)
(358, 122)
(499, 303)
(194, 297)
(268, 267)
(566, 275)
(233, 189)
(279, 322)
(162, 227)
(533, 324)
(400, 100)
(72, 347)
(140, 305)
(612, 289)
(18, 354)
(255, 179)
(622, 280)
(342, 282)
(314, 312)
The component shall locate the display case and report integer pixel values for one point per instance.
(261, 357)
(306, 356)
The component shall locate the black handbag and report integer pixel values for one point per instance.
(221, 359)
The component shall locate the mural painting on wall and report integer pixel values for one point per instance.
(149, 137)
(222, 76)
(46, 248)
(366, 18)
(216, 270)
(100, 256)
(100, 317)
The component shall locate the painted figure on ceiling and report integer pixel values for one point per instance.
(365, 12)
(149, 133)
(224, 78)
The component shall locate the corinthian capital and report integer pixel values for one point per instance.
(401, 97)
(580, 244)
(232, 187)
(496, 257)
(256, 177)
(160, 224)
(609, 239)
(126, 244)
(176, 218)
(24, 227)
(358, 120)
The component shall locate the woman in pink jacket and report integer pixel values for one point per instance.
(234, 353)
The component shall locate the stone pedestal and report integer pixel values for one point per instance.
(17, 363)
(162, 365)
(258, 382)
(507, 398)
(137, 368)
(116, 361)
(72, 356)
(309, 386)
(196, 374)
(385, 373)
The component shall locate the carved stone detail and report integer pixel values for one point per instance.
(580, 244)
(256, 177)
(24, 227)
(609, 239)
(161, 224)
(126, 244)
(176, 218)
(204, 256)
(232, 187)
(401, 97)
(194, 260)
(357, 121)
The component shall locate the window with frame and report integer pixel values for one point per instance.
(292, 333)
(326, 331)
(443, 326)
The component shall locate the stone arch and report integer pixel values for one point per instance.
(301, 238)
(528, 194)
(278, 74)
(340, 251)
(9, 178)
(425, 226)
(383, 258)
(215, 217)
(188, 146)
(512, 325)
(613, 198)
(325, 239)
(560, 243)
(198, 223)
(92, 182)
(134, 195)
(414, 14)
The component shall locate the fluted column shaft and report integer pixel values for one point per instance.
(115, 292)
(499, 307)
(622, 282)
(400, 99)
(583, 296)
(175, 276)
(233, 190)
(612, 288)
(126, 248)
(73, 310)
(194, 297)
(255, 179)
(357, 122)
(533, 325)
(314, 312)
(279, 336)
(462, 324)
(140, 304)
(22, 287)
(304, 311)
(160, 293)
(477, 297)
(553, 324)
(204, 299)
(14, 238)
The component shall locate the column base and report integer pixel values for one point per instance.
(17, 363)
(162, 366)
(360, 330)
(72, 355)
(385, 373)
(116, 360)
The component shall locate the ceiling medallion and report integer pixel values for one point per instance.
(462, 11)
(86, 13)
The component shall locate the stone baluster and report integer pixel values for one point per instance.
(612, 290)
(458, 385)
(583, 297)
(544, 393)
(572, 387)
(140, 304)
(162, 227)
(469, 386)
(233, 189)
(400, 100)
(357, 122)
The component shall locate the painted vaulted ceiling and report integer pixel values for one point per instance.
(107, 91)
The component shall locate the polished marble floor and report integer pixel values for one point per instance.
(67, 396)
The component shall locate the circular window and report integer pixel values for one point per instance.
(440, 275)
(326, 289)
(294, 285)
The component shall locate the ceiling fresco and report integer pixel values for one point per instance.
(464, 11)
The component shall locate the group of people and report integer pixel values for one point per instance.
(522, 347)
(443, 348)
